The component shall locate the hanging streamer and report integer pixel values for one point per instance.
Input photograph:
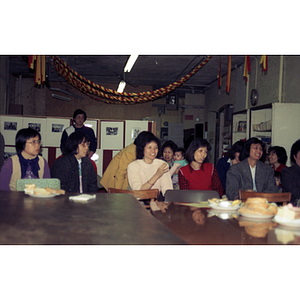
(110, 96)
(219, 75)
(39, 66)
(264, 63)
(228, 74)
(247, 67)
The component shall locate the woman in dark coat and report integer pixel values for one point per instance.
(74, 169)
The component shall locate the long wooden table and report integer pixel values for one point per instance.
(204, 226)
(110, 219)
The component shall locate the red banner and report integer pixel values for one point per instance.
(228, 74)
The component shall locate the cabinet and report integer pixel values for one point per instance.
(239, 126)
(276, 124)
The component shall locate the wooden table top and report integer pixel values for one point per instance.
(204, 226)
(110, 219)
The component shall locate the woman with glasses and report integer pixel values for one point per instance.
(74, 169)
(27, 163)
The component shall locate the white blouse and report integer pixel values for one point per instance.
(138, 173)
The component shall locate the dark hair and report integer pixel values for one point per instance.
(246, 149)
(144, 138)
(72, 142)
(166, 144)
(79, 112)
(236, 147)
(194, 146)
(280, 152)
(277, 174)
(294, 150)
(23, 135)
(182, 150)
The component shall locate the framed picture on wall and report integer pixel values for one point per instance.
(112, 134)
(133, 129)
(9, 126)
(55, 128)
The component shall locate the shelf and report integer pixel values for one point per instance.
(267, 130)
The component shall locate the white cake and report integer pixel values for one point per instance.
(289, 212)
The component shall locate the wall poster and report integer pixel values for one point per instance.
(112, 135)
(9, 126)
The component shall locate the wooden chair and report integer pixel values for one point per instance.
(271, 197)
(53, 183)
(142, 195)
(190, 195)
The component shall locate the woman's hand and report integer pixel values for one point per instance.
(162, 169)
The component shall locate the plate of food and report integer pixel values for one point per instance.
(43, 195)
(224, 204)
(258, 208)
(288, 215)
(33, 191)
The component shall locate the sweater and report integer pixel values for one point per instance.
(66, 170)
(139, 173)
(11, 172)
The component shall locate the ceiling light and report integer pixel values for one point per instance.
(121, 86)
(65, 92)
(130, 63)
(59, 97)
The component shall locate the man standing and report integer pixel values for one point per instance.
(79, 117)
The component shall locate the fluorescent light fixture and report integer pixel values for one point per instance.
(65, 92)
(121, 86)
(130, 63)
(59, 97)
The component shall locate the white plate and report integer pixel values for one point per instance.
(43, 196)
(252, 216)
(287, 222)
(217, 207)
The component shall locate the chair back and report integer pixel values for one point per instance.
(53, 183)
(138, 194)
(190, 195)
(271, 197)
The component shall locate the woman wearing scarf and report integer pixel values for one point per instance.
(26, 163)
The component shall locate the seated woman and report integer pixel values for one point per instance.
(290, 176)
(115, 175)
(199, 174)
(147, 171)
(232, 157)
(168, 150)
(27, 163)
(250, 173)
(277, 158)
(74, 169)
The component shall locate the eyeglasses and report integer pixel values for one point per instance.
(34, 142)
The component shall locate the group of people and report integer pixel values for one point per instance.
(146, 164)
(74, 167)
(242, 168)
